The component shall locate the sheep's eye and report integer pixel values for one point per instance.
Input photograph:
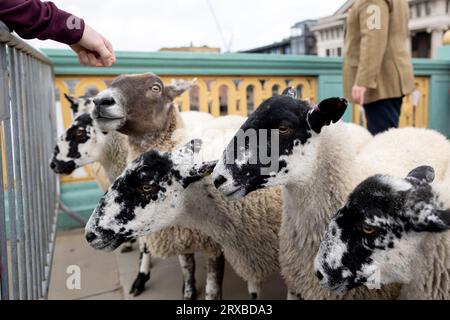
(285, 130)
(369, 230)
(148, 188)
(80, 133)
(156, 88)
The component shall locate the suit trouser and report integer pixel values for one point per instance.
(383, 115)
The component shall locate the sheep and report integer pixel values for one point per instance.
(141, 107)
(80, 105)
(163, 189)
(317, 166)
(83, 143)
(391, 230)
(119, 108)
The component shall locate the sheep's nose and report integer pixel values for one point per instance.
(53, 165)
(90, 236)
(319, 275)
(220, 180)
(104, 101)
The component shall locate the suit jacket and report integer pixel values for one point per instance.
(376, 52)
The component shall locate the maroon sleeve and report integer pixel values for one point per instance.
(42, 20)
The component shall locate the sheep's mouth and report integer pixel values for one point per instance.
(109, 124)
(111, 113)
(107, 117)
(236, 193)
(63, 168)
(109, 245)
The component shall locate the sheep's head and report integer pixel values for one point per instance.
(136, 104)
(80, 105)
(147, 197)
(375, 238)
(277, 144)
(82, 143)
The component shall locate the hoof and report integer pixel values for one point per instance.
(139, 284)
(253, 296)
(126, 248)
(189, 294)
(212, 297)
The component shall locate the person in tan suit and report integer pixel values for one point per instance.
(377, 64)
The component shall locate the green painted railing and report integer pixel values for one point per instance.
(327, 70)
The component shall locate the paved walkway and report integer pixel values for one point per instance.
(109, 276)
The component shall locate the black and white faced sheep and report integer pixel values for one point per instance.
(84, 143)
(289, 143)
(81, 144)
(80, 105)
(391, 230)
(164, 189)
(142, 108)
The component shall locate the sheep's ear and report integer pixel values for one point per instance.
(188, 154)
(444, 215)
(178, 87)
(436, 221)
(204, 169)
(290, 92)
(423, 174)
(192, 147)
(326, 112)
(198, 172)
(69, 98)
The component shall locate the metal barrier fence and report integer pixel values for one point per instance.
(28, 189)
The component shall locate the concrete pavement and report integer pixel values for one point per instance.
(108, 276)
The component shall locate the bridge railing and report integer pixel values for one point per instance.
(237, 83)
(28, 190)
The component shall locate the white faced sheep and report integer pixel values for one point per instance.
(83, 143)
(391, 230)
(80, 105)
(164, 189)
(317, 166)
(141, 107)
(151, 128)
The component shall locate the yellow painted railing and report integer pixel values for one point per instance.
(218, 95)
(223, 95)
(411, 115)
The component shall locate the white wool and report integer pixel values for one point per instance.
(310, 203)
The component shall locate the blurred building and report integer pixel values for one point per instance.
(191, 48)
(302, 41)
(429, 19)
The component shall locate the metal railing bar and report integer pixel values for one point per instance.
(4, 103)
(22, 117)
(15, 105)
(35, 183)
(8, 143)
(40, 110)
(29, 146)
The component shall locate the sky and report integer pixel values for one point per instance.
(148, 25)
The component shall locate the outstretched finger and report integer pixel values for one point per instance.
(82, 58)
(105, 55)
(111, 49)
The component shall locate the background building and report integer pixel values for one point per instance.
(302, 41)
(329, 32)
(191, 48)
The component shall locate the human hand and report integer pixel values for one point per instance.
(94, 50)
(358, 94)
